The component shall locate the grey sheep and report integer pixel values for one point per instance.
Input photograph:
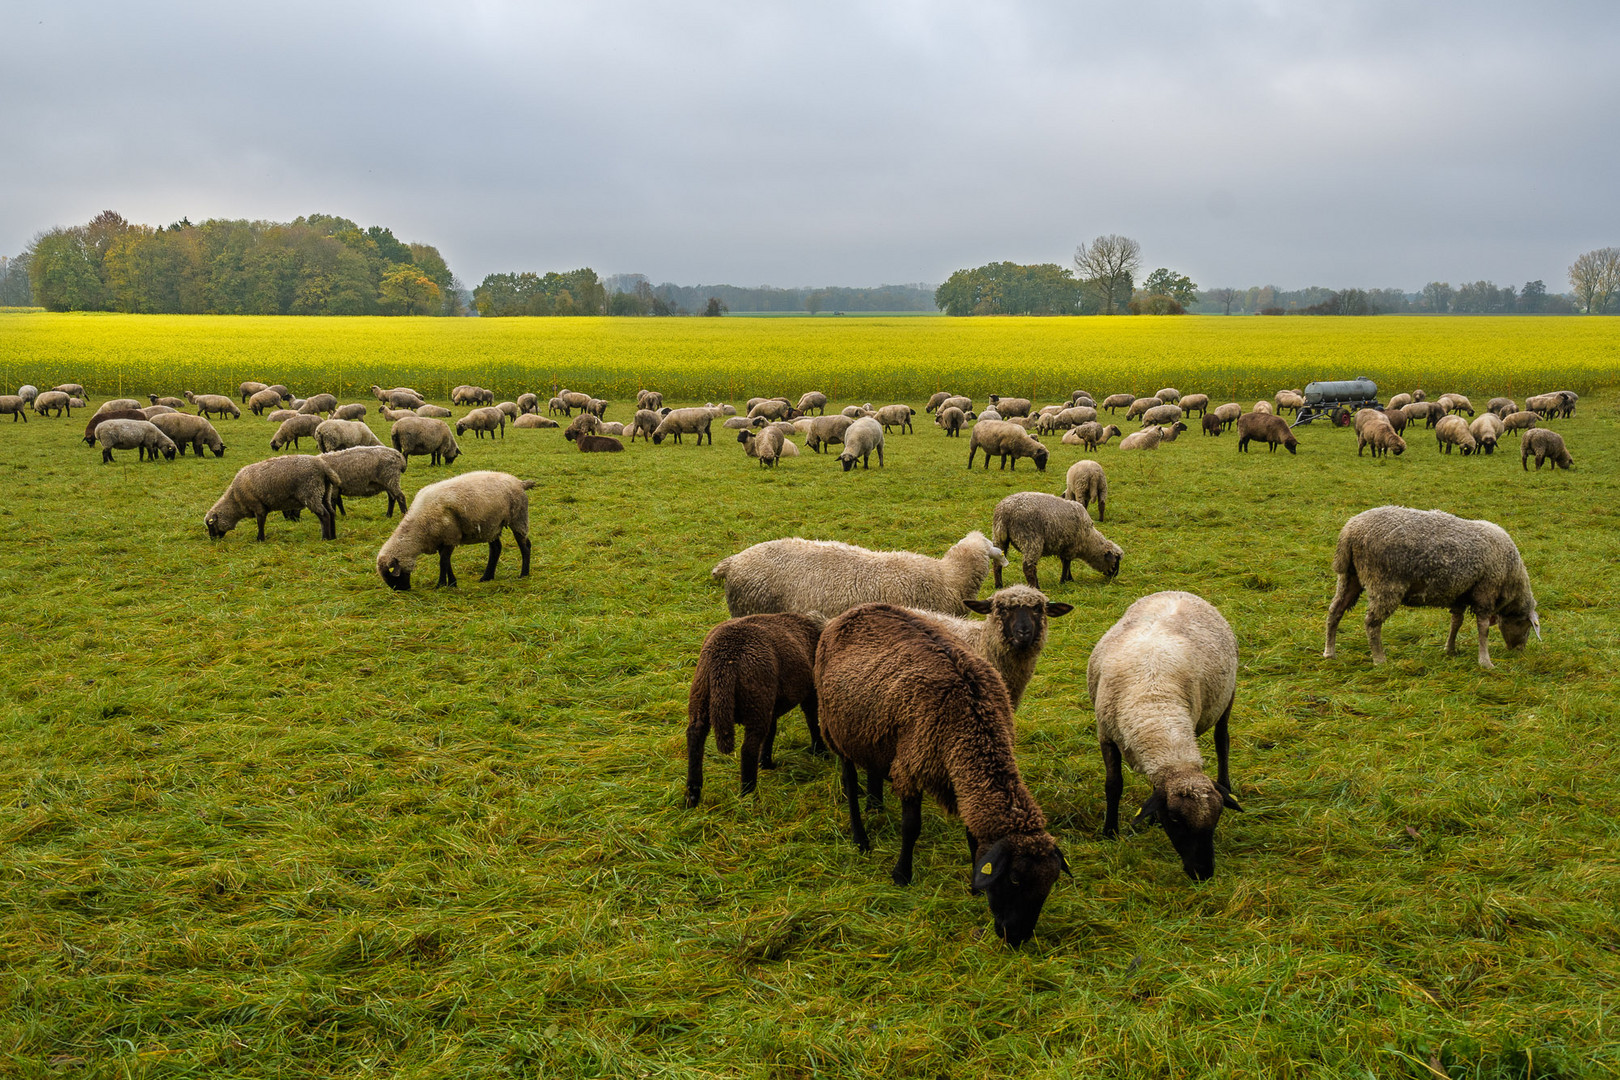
(335, 434)
(1038, 524)
(352, 411)
(71, 389)
(479, 421)
(1090, 434)
(248, 389)
(433, 412)
(281, 416)
(1168, 394)
(825, 430)
(1010, 407)
(214, 403)
(1486, 430)
(1547, 445)
(477, 395)
(1399, 401)
(649, 399)
(1118, 401)
(1453, 431)
(1501, 406)
(860, 439)
(1379, 434)
(54, 400)
(858, 412)
(959, 401)
(471, 508)
(510, 408)
(999, 438)
(118, 405)
(773, 409)
(937, 401)
(425, 435)
(812, 400)
(1151, 437)
(1084, 482)
(678, 422)
(364, 471)
(141, 435)
(289, 484)
(1228, 413)
(1288, 399)
(16, 405)
(264, 399)
(1428, 558)
(188, 430)
(896, 416)
(644, 423)
(319, 403)
(294, 428)
(766, 445)
(1160, 415)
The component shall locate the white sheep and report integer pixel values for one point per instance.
(860, 439)
(1037, 524)
(471, 508)
(1086, 481)
(141, 435)
(336, 434)
(1011, 635)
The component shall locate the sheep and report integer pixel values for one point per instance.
(1011, 636)
(101, 417)
(1546, 405)
(1009, 407)
(1264, 408)
(364, 471)
(1486, 430)
(1080, 397)
(766, 445)
(1070, 417)
(936, 401)
(213, 403)
(998, 437)
(471, 508)
(129, 434)
(477, 395)
(648, 399)
(1228, 413)
(753, 401)
(860, 439)
(773, 409)
(535, 420)
(950, 420)
(283, 415)
(858, 412)
(1086, 481)
(248, 389)
(1168, 394)
(1501, 406)
(611, 428)
(598, 444)
(751, 671)
(54, 400)
(1200, 402)
(1547, 445)
(349, 412)
(1037, 524)
(1267, 428)
(1453, 431)
(989, 414)
(478, 421)
(177, 404)
(386, 396)
(425, 435)
(739, 423)
(1117, 401)
(1569, 398)
(557, 405)
(678, 422)
(794, 574)
(896, 416)
(825, 430)
(1382, 438)
(1161, 676)
(1428, 558)
(958, 401)
(319, 403)
(1151, 438)
(71, 389)
(1140, 406)
(721, 410)
(433, 412)
(1289, 399)
(16, 405)
(1419, 395)
(1422, 410)
(334, 434)
(644, 423)
(1090, 434)
(118, 405)
(597, 407)
(1161, 415)
(295, 428)
(1212, 424)
(1399, 401)
(28, 392)
(897, 695)
(188, 430)
(1396, 418)
(1519, 421)
(1456, 403)
(528, 404)
(262, 400)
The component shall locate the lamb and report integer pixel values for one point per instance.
(28, 392)
(557, 405)
(1519, 421)
(1037, 524)
(1164, 674)
(649, 399)
(794, 574)
(1267, 428)
(1428, 558)
(188, 430)
(1453, 431)
(1168, 394)
(1200, 402)
(471, 508)
(1501, 406)
(425, 435)
(896, 416)
(535, 420)
(138, 435)
(477, 395)
(1229, 413)
(860, 439)
(1009, 407)
(248, 389)
(598, 444)
(289, 484)
(1212, 425)
(1486, 430)
(433, 412)
(214, 403)
(766, 445)
(364, 471)
(334, 434)
(1288, 399)
(1086, 481)
(1090, 434)
(295, 428)
(1116, 401)
(1547, 445)
(859, 412)
(478, 421)
(678, 422)
(958, 402)
(938, 400)
(951, 421)
(751, 671)
(1140, 406)
(897, 695)
(1161, 415)
(528, 404)
(1011, 636)
(349, 412)
(1151, 438)
(998, 437)
(101, 417)
(262, 400)
(53, 400)
(16, 405)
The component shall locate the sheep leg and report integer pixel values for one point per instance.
(880, 455)
(262, 516)
(523, 550)
(874, 789)
(818, 745)
(910, 829)
(1222, 746)
(1456, 625)
(1484, 621)
(106, 456)
(1377, 611)
(447, 576)
(752, 749)
(766, 759)
(1344, 599)
(852, 795)
(697, 737)
(337, 504)
(997, 568)
(1067, 575)
(1032, 560)
(1113, 787)
(494, 555)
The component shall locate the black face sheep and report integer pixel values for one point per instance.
(951, 421)
(425, 435)
(898, 696)
(1486, 430)
(824, 430)
(692, 421)
(1267, 428)
(1453, 431)
(16, 405)
(138, 435)
(860, 439)
(1428, 558)
(598, 444)
(54, 401)
(1396, 418)
(1547, 445)
(896, 416)
(1212, 424)
(1090, 434)
(751, 671)
(337, 434)
(471, 508)
(1038, 524)
(1085, 481)
(1162, 676)
(1011, 635)
(800, 575)
(209, 404)
(999, 438)
(101, 418)
(290, 484)
(364, 471)
(1382, 439)
(193, 431)
(174, 403)
(773, 409)
(294, 428)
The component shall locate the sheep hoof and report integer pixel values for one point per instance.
(900, 877)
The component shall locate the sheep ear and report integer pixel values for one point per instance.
(988, 869)
(1057, 610)
(1535, 624)
(1149, 814)
(1229, 802)
(1063, 864)
(983, 607)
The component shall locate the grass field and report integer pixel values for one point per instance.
(263, 817)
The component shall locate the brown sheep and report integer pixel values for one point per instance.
(1547, 445)
(1267, 428)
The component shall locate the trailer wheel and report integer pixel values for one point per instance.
(1341, 418)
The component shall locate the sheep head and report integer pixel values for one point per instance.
(1021, 612)
(1015, 875)
(396, 574)
(1188, 804)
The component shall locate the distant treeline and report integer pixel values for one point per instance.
(316, 265)
(1436, 298)
(641, 297)
(577, 292)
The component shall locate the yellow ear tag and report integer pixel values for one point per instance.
(985, 869)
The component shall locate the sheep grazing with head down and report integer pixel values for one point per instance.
(950, 421)
(1164, 674)
(1090, 434)
(751, 672)
(55, 401)
(939, 399)
(1198, 403)
(766, 445)
(1141, 405)
(1010, 407)
(290, 484)
(528, 404)
(208, 404)
(1288, 399)
(335, 434)
(1086, 481)
(1265, 427)
(1038, 524)
(1520, 421)
(1378, 433)
(999, 438)
(1399, 401)
(794, 574)
(487, 419)
(1546, 445)
(861, 438)
(896, 416)
(471, 508)
(693, 421)
(425, 435)
(898, 696)
(188, 430)
(352, 411)
(298, 426)
(1119, 401)
(364, 471)
(1428, 558)
(15, 405)
(102, 417)
(1453, 431)
(1486, 430)
(1501, 406)
(263, 400)
(140, 435)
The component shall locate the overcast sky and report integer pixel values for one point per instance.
(1349, 143)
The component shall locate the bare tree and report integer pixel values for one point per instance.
(1226, 298)
(1108, 266)
(1596, 279)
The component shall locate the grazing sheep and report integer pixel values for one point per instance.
(766, 445)
(1486, 430)
(1198, 402)
(1428, 558)
(1547, 445)
(433, 412)
(188, 430)
(150, 411)
(248, 389)
(286, 394)
(649, 399)
(597, 407)
(1453, 431)
(1164, 674)
(319, 403)
(1011, 636)
(214, 403)
(289, 484)
(860, 439)
(557, 405)
(1161, 415)
(898, 696)
(598, 444)
(997, 437)
(364, 471)
(471, 508)
(477, 395)
(16, 405)
(1399, 401)
(1117, 401)
(678, 422)
(1229, 413)
(1090, 434)
(825, 430)
(1422, 410)
(425, 435)
(1080, 397)
(28, 392)
(1085, 481)
(1151, 438)
(295, 428)
(751, 671)
(1289, 399)
(1038, 524)
(936, 401)
(896, 416)
(1010, 407)
(101, 417)
(71, 389)
(1456, 403)
(1072, 416)
(400, 397)
(773, 409)
(335, 434)
(859, 412)
(1546, 405)
(644, 423)
(739, 423)
(391, 415)
(1501, 406)
(1212, 424)
(958, 401)
(119, 405)
(823, 575)
(1267, 428)
(262, 400)
(1396, 418)
(139, 435)
(1519, 421)
(478, 421)
(349, 412)
(951, 421)
(528, 405)
(1569, 398)
(989, 414)
(55, 400)
(535, 420)
(1264, 408)
(1168, 394)
(1374, 429)
(1140, 406)
(283, 415)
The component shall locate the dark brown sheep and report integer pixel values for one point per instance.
(751, 671)
(1213, 425)
(598, 444)
(1546, 445)
(1266, 428)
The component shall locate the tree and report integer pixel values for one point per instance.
(717, 308)
(1226, 298)
(14, 290)
(1595, 276)
(64, 274)
(1108, 266)
(1533, 297)
(1437, 297)
(408, 289)
(1178, 287)
(1007, 288)
(813, 302)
